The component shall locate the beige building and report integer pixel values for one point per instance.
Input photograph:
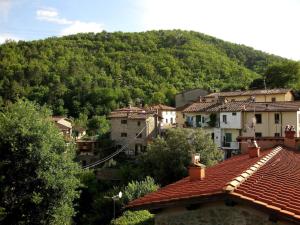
(166, 113)
(270, 119)
(272, 95)
(133, 127)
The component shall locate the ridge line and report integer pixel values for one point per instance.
(237, 181)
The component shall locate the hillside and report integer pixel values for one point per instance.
(95, 73)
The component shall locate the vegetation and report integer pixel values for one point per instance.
(92, 74)
(142, 217)
(137, 189)
(167, 158)
(38, 177)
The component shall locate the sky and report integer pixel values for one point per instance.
(272, 26)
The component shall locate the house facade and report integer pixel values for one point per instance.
(64, 125)
(166, 113)
(133, 127)
(254, 188)
(272, 95)
(233, 119)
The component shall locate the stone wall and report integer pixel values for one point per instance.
(215, 214)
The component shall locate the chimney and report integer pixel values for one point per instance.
(289, 139)
(253, 149)
(196, 169)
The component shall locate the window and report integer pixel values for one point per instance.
(183, 115)
(258, 118)
(166, 120)
(123, 121)
(123, 134)
(139, 135)
(277, 135)
(273, 99)
(203, 119)
(234, 113)
(224, 118)
(139, 123)
(172, 120)
(258, 134)
(213, 136)
(276, 117)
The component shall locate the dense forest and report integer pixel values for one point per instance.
(96, 73)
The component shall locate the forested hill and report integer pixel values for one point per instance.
(95, 73)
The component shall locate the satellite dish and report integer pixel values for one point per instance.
(120, 194)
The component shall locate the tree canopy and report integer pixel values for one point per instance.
(96, 73)
(167, 159)
(38, 177)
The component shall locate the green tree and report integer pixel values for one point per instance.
(98, 125)
(142, 217)
(285, 74)
(38, 176)
(137, 189)
(167, 158)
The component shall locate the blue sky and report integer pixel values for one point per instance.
(269, 25)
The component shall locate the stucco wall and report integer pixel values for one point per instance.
(234, 120)
(268, 127)
(215, 214)
(131, 128)
(168, 117)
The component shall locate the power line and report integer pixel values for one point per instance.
(115, 153)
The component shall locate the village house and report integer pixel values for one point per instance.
(133, 127)
(225, 120)
(259, 187)
(64, 125)
(166, 113)
(268, 119)
(272, 95)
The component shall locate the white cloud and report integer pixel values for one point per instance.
(5, 37)
(51, 15)
(82, 27)
(74, 26)
(269, 25)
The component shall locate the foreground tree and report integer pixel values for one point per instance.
(167, 158)
(38, 177)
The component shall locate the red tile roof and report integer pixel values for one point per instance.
(248, 93)
(161, 107)
(131, 113)
(271, 181)
(247, 106)
(215, 179)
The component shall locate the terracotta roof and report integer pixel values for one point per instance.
(131, 113)
(230, 107)
(248, 93)
(244, 106)
(216, 178)
(200, 107)
(161, 107)
(270, 181)
(273, 106)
